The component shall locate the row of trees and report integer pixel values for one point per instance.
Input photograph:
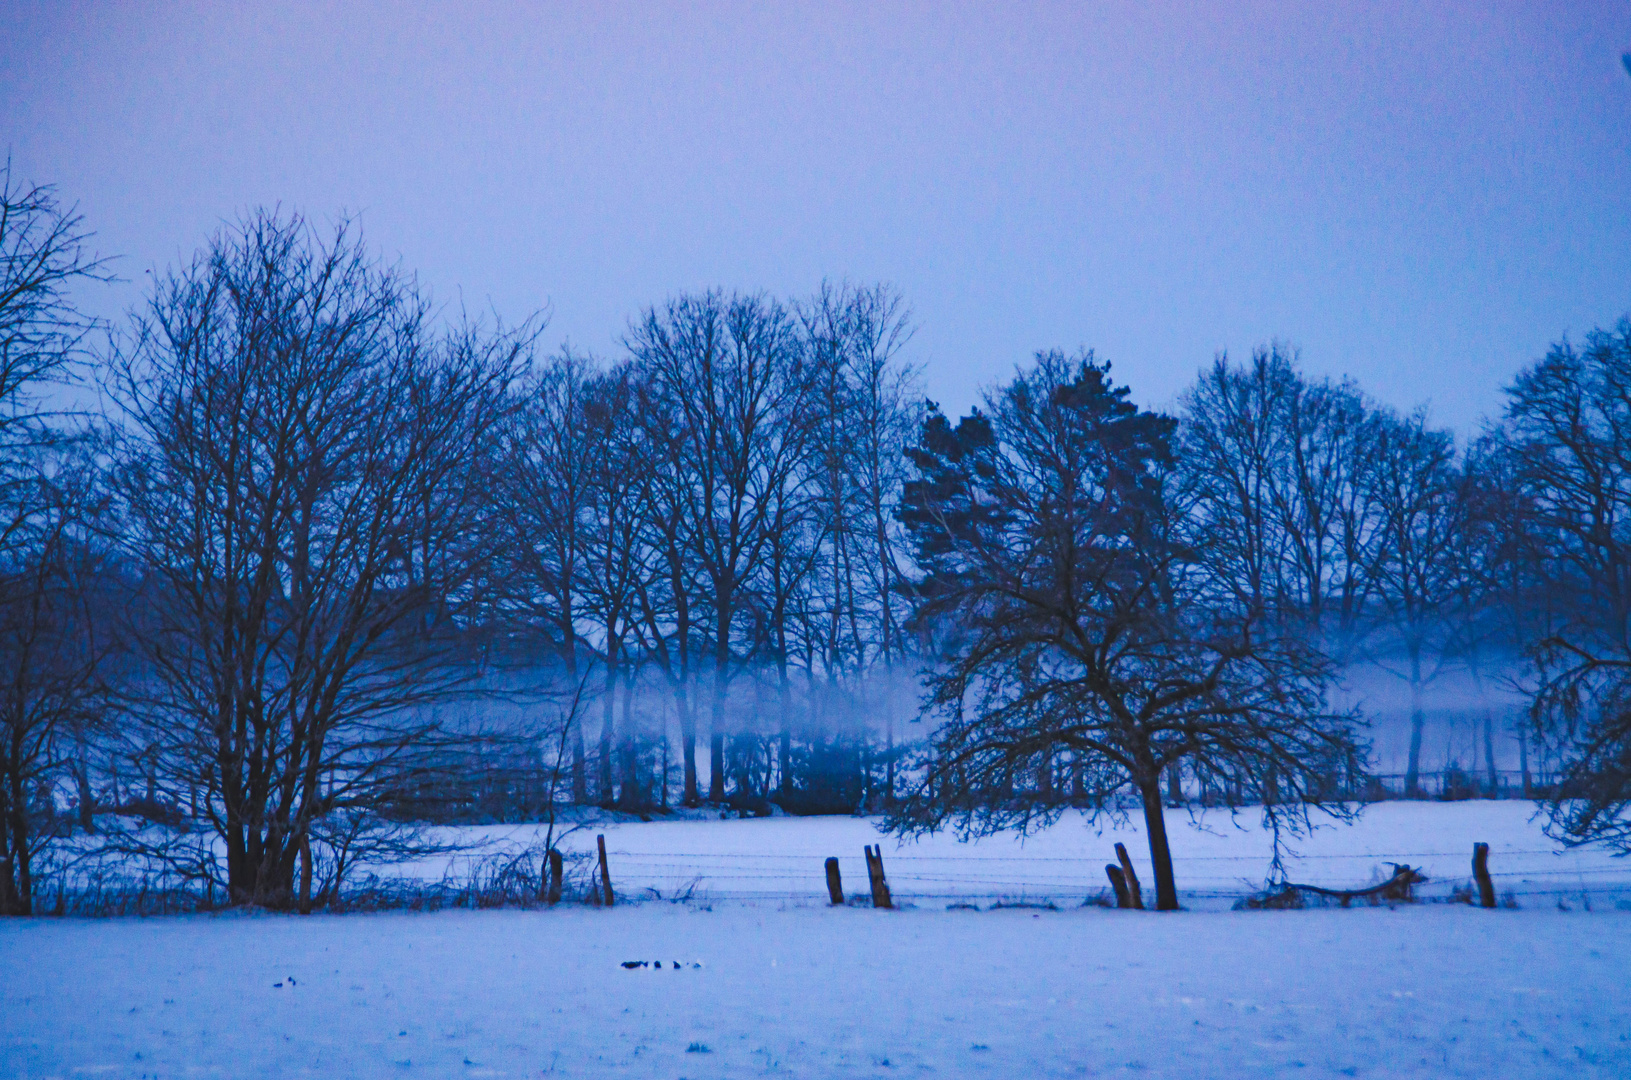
(1123, 596)
(719, 503)
(324, 560)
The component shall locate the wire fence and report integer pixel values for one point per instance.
(784, 862)
(1528, 872)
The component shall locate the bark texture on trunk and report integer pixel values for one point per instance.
(1155, 821)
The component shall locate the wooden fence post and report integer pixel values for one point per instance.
(1134, 893)
(605, 874)
(1118, 882)
(552, 875)
(880, 886)
(1480, 874)
(835, 883)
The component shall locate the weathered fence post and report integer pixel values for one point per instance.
(305, 874)
(605, 874)
(1118, 882)
(1134, 893)
(874, 869)
(552, 876)
(835, 883)
(1480, 874)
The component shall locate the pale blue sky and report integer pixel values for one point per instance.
(1421, 196)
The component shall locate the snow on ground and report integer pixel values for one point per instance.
(788, 986)
(1430, 991)
(1215, 861)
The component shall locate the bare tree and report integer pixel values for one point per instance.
(866, 416)
(48, 648)
(287, 410)
(1077, 618)
(727, 372)
(54, 647)
(1521, 607)
(615, 556)
(669, 623)
(1416, 487)
(781, 593)
(1567, 441)
(1274, 464)
(547, 506)
(1483, 635)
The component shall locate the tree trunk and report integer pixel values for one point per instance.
(580, 780)
(305, 874)
(688, 743)
(1418, 720)
(87, 798)
(784, 756)
(1155, 821)
(580, 774)
(1489, 730)
(889, 740)
(1523, 762)
(662, 743)
(5, 844)
(605, 790)
(240, 871)
(716, 738)
(716, 763)
(14, 821)
(632, 793)
(724, 593)
(19, 875)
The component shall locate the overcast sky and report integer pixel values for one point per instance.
(1420, 196)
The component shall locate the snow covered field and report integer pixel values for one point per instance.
(1428, 991)
(1216, 859)
(788, 986)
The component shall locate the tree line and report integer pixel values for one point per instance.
(293, 559)
(1123, 599)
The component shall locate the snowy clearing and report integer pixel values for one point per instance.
(1422, 991)
(789, 986)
